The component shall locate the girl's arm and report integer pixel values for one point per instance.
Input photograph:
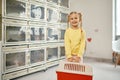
(82, 44)
(67, 45)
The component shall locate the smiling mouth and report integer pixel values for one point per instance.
(74, 23)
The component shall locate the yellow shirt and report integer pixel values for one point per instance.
(74, 42)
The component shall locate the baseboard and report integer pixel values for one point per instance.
(98, 59)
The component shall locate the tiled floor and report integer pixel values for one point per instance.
(101, 71)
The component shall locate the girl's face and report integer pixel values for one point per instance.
(74, 20)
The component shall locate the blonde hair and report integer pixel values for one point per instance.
(80, 18)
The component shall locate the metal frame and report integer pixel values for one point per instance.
(24, 17)
(54, 13)
(37, 25)
(16, 50)
(18, 24)
(38, 7)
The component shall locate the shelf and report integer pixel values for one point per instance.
(31, 35)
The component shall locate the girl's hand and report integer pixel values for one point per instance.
(70, 59)
(76, 59)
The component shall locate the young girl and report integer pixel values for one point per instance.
(74, 38)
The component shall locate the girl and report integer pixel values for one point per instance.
(74, 38)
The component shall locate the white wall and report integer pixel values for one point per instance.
(97, 22)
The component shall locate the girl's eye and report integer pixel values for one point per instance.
(71, 18)
(76, 18)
